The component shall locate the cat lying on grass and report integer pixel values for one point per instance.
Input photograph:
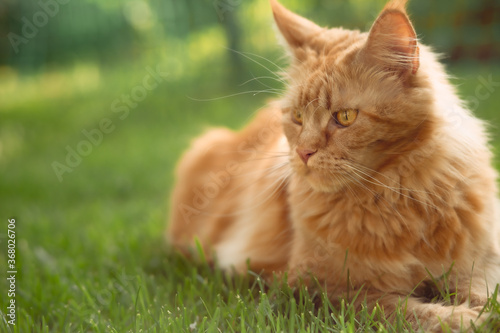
(369, 174)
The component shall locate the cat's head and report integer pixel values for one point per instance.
(356, 101)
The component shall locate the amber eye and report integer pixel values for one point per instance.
(297, 116)
(346, 117)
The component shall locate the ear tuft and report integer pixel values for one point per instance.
(392, 41)
(399, 5)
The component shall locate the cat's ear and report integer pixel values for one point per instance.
(296, 30)
(392, 41)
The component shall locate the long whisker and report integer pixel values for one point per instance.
(396, 190)
(358, 181)
(385, 176)
(265, 153)
(256, 62)
(254, 92)
(312, 101)
(270, 171)
(429, 193)
(259, 78)
(282, 72)
(348, 186)
(277, 185)
(360, 202)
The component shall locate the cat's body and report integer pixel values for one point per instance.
(397, 191)
(231, 199)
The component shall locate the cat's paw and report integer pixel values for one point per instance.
(461, 319)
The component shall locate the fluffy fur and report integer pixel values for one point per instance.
(399, 201)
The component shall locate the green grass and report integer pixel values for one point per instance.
(91, 255)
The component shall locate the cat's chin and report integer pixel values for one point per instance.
(321, 183)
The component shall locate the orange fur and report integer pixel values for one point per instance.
(399, 197)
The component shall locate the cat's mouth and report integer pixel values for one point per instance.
(322, 180)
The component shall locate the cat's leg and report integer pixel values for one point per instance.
(429, 317)
(476, 292)
(199, 199)
(472, 294)
(474, 289)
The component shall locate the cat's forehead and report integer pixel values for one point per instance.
(338, 41)
(343, 84)
(329, 88)
(332, 71)
(332, 46)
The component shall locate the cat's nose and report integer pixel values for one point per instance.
(305, 154)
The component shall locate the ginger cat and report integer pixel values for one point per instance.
(368, 174)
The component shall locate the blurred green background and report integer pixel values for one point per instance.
(98, 99)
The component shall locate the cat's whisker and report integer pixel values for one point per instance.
(360, 201)
(285, 173)
(279, 185)
(353, 164)
(280, 78)
(268, 152)
(426, 204)
(380, 182)
(347, 185)
(264, 158)
(259, 78)
(270, 171)
(399, 190)
(265, 154)
(384, 200)
(247, 56)
(312, 101)
(282, 75)
(314, 112)
(359, 167)
(432, 194)
(358, 179)
(255, 92)
(254, 61)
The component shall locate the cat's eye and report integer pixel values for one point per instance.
(345, 117)
(297, 116)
